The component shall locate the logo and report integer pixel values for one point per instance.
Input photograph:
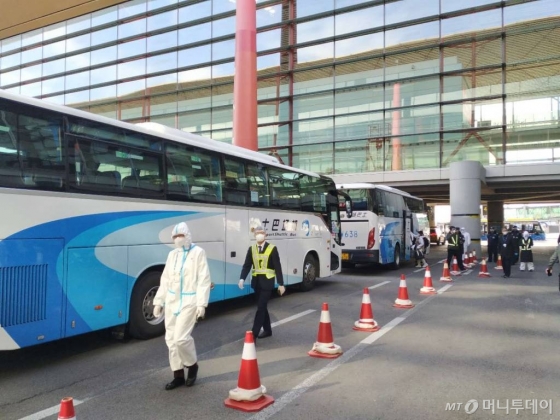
(305, 227)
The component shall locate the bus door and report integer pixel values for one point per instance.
(407, 240)
(238, 233)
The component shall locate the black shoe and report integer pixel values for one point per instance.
(175, 383)
(191, 376)
(505, 277)
(265, 334)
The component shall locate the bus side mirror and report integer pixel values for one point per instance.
(348, 208)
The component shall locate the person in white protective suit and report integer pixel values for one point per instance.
(184, 291)
(467, 243)
(526, 255)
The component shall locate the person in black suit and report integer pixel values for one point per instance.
(507, 246)
(264, 260)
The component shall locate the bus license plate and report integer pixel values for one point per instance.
(345, 256)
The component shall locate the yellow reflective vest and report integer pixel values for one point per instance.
(260, 262)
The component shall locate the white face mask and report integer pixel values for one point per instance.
(259, 237)
(180, 241)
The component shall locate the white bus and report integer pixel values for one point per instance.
(88, 204)
(379, 230)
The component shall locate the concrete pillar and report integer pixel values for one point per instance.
(464, 193)
(495, 214)
(430, 212)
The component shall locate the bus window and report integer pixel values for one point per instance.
(235, 185)
(258, 185)
(284, 189)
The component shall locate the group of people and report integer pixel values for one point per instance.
(458, 243)
(184, 292)
(513, 246)
(420, 247)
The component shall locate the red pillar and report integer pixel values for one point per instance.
(245, 79)
(396, 129)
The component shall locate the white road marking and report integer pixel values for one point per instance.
(302, 387)
(420, 269)
(378, 285)
(444, 288)
(291, 318)
(49, 412)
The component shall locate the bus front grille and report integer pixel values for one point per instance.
(23, 294)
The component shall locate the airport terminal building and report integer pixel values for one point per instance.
(345, 87)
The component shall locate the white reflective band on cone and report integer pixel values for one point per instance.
(366, 298)
(249, 352)
(403, 302)
(240, 394)
(325, 317)
(403, 283)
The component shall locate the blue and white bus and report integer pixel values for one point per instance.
(88, 204)
(380, 229)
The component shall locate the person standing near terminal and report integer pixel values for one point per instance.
(467, 243)
(516, 238)
(184, 292)
(264, 260)
(493, 245)
(506, 250)
(455, 247)
(526, 254)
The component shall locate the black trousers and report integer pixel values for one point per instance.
(492, 254)
(262, 318)
(506, 263)
(455, 252)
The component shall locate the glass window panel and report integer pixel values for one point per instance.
(106, 110)
(54, 31)
(76, 81)
(54, 67)
(134, 28)
(312, 7)
(422, 119)
(272, 87)
(104, 16)
(132, 48)
(83, 41)
(103, 75)
(269, 63)
(269, 40)
(162, 41)
(195, 122)
(484, 53)
(10, 61)
(267, 135)
(132, 109)
(165, 83)
(220, 6)
(131, 89)
(235, 183)
(485, 147)
(103, 93)
(31, 37)
(535, 45)
(195, 11)
(402, 11)
(56, 48)
(490, 19)
(360, 126)
(162, 20)
(223, 27)
(222, 95)
(162, 62)
(12, 43)
(372, 44)
(167, 120)
(131, 69)
(77, 61)
(313, 131)
(222, 118)
(317, 158)
(457, 116)
(418, 151)
(198, 77)
(103, 36)
(163, 104)
(156, 4)
(9, 77)
(59, 99)
(78, 24)
(224, 49)
(451, 5)
(222, 72)
(284, 190)
(313, 106)
(529, 11)
(268, 112)
(471, 85)
(103, 55)
(15, 90)
(52, 85)
(412, 64)
(354, 100)
(195, 99)
(426, 31)
(195, 33)
(313, 80)
(269, 15)
(315, 55)
(32, 89)
(194, 56)
(32, 72)
(358, 156)
(131, 8)
(33, 54)
(316, 29)
(358, 20)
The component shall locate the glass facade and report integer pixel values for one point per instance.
(344, 86)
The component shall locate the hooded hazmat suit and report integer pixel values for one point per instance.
(183, 293)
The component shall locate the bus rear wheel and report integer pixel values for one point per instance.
(310, 269)
(142, 324)
(396, 258)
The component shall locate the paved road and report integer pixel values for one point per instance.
(479, 341)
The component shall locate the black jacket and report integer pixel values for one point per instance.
(493, 240)
(273, 264)
(511, 245)
(455, 240)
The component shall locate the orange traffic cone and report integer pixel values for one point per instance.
(483, 269)
(466, 262)
(249, 396)
(446, 276)
(428, 288)
(366, 321)
(455, 268)
(474, 260)
(67, 409)
(402, 301)
(324, 347)
(499, 263)
(471, 259)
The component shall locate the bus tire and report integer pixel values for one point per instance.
(142, 324)
(310, 268)
(396, 258)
